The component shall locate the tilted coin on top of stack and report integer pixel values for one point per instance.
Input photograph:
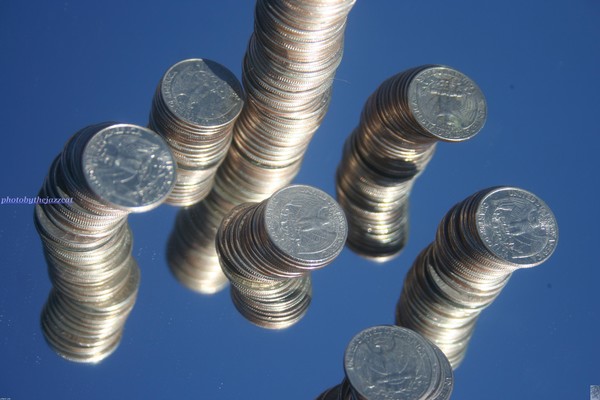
(399, 127)
(479, 243)
(390, 362)
(194, 108)
(108, 170)
(268, 249)
(288, 72)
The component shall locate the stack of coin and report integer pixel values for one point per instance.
(287, 73)
(390, 362)
(479, 243)
(399, 127)
(268, 249)
(194, 108)
(108, 170)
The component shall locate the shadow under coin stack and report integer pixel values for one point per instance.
(288, 72)
(390, 362)
(399, 127)
(268, 249)
(109, 170)
(479, 243)
(194, 108)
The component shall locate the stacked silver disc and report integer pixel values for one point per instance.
(479, 243)
(109, 170)
(399, 127)
(194, 108)
(390, 362)
(268, 249)
(288, 71)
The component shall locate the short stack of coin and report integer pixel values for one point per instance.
(194, 108)
(399, 127)
(479, 243)
(287, 73)
(108, 170)
(268, 249)
(390, 362)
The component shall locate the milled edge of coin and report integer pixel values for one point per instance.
(156, 152)
(227, 81)
(475, 97)
(496, 242)
(336, 215)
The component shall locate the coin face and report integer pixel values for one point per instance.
(129, 167)
(202, 92)
(305, 223)
(389, 362)
(448, 104)
(517, 226)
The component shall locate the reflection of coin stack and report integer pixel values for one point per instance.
(478, 244)
(194, 108)
(109, 171)
(267, 250)
(288, 72)
(395, 139)
(390, 362)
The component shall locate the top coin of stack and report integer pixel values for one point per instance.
(194, 108)
(390, 362)
(395, 139)
(479, 243)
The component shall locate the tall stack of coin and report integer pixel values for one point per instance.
(479, 243)
(268, 249)
(399, 127)
(194, 108)
(288, 71)
(390, 362)
(109, 170)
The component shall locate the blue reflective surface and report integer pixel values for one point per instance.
(66, 65)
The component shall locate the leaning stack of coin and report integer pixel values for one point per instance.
(390, 362)
(479, 243)
(268, 249)
(399, 127)
(288, 71)
(108, 170)
(194, 108)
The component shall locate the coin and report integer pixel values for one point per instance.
(447, 104)
(129, 167)
(305, 223)
(390, 362)
(517, 227)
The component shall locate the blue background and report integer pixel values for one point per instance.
(65, 65)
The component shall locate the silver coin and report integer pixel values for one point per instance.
(129, 167)
(517, 226)
(305, 223)
(447, 103)
(202, 92)
(388, 362)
